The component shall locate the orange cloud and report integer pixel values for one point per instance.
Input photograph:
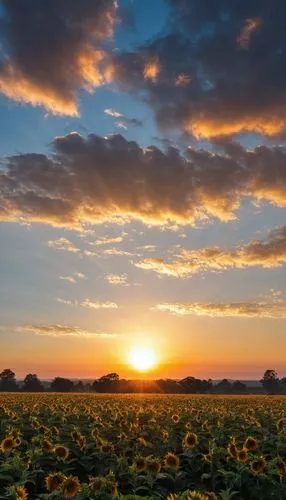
(261, 309)
(249, 28)
(47, 67)
(268, 253)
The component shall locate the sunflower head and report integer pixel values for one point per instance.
(258, 465)
(97, 483)
(140, 464)
(47, 446)
(208, 457)
(280, 424)
(7, 444)
(281, 467)
(62, 452)
(175, 418)
(165, 435)
(153, 465)
(172, 461)
(232, 450)
(250, 444)
(107, 448)
(190, 440)
(71, 487)
(21, 493)
(54, 481)
(242, 455)
(75, 435)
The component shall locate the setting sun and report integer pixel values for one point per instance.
(142, 358)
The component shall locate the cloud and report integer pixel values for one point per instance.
(113, 113)
(52, 49)
(74, 278)
(96, 304)
(117, 279)
(63, 244)
(267, 253)
(58, 330)
(106, 240)
(96, 179)
(260, 309)
(65, 301)
(117, 252)
(220, 48)
(135, 122)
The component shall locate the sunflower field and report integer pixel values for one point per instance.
(81, 446)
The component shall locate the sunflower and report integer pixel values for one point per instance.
(190, 440)
(258, 466)
(17, 441)
(175, 418)
(54, 480)
(232, 450)
(21, 493)
(97, 483)
(153, 466)
(171, 461)
(280, 424)
(47, 446)
(242, 455)
(62, 452)
(250, 444)
(165, 435)
(208, 457)
(281, 467)
(140, 464)
(106, 448)
(75, 435)
(71, 487)
(7, 444)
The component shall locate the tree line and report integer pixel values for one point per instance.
(111, 383)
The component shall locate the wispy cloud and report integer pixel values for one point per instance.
(74, 278)
(97, 304)
(275, 308)
(117, 279)
(63, 244)
(58, 330)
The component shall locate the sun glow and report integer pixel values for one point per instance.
(142, 358)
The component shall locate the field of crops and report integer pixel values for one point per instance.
(103, 446)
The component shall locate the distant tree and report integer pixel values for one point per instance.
(238, 387)
(60, 384)
(223, 387)
(32, 384)
(79, 386)
(169, 386)
(107, 383)
(271, 382)
(192, 385)
(8, 381)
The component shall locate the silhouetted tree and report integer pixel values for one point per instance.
(192, 385)
(107, 383)
(79, 386)
(238, 387)
(270, 382)
(60, 384)
(223, 387)
(8, 381)
(169, 386)
(283, 383)
(32, 384)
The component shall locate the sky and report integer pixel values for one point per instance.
(143, 187)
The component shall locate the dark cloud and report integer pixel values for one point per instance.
(97, 179)
(53, 48)
(219, 68)
(268, 253)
